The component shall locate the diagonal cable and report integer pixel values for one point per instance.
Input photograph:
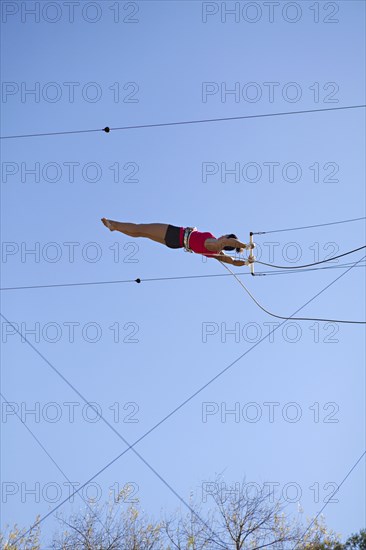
(51, 458)
(149, 466)
(329, 499)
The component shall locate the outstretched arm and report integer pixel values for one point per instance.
(233, 242)
(217, 245)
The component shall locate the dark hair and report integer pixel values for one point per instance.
(231, 236)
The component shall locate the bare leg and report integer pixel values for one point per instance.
(154, 231)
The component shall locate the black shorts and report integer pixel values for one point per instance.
(172, 237)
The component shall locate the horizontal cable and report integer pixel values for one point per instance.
(107, 129)
(307, 226)
(314, 263)
(289, 272)
(298, 318)
(152, 279)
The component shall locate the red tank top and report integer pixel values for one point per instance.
(197, 240)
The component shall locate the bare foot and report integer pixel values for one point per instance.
(108, 223)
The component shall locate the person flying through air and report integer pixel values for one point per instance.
(189, 238)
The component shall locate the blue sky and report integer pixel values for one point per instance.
(139, 351)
